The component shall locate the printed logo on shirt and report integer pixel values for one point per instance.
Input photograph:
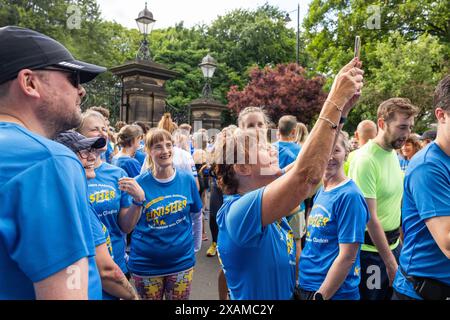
(357, 271)
(160, 208)
(290, 242)
(319, 217)
(102, 196)
(289, 235)
(108, 241)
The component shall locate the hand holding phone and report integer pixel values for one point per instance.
(357, 46)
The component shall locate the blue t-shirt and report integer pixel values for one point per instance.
(109, 151)
(162, 242)
(44, 221)
(107, 199)
(101, 236)
(287, 152)
(258, 262)
(130, 165)
(426, 195)
(338, 216)
(140, 157)
(403, 163)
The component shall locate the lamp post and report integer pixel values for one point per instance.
(145, 23)
(208, 67)
(288, 19)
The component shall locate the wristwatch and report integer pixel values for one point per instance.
(318, 296)
(138, 204)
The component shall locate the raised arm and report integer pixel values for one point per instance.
(286, 192)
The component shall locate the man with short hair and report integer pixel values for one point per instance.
(287, 148)
(424, 270)
(376, 170)
(46, 243)
(366, 130)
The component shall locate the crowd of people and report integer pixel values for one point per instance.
(95, 211)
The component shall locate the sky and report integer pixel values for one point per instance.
(169, 12)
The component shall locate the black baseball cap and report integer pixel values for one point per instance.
(430, 134)
(22, 48)
(77, 142)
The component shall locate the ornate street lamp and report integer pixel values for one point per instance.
(208, 67)
(288, 19)
(145, 23)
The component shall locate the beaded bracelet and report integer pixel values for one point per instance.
(333, 125)
(337, 107)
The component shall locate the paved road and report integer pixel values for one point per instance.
(204, 284)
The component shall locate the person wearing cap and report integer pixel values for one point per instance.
(110, 203)
(46, 244)
(428, 137)
(114, 282)
(424, 268)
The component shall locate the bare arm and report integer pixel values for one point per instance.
(440, 230)
(378, 237)
(339, 269)
(71, 283)
(286, 192)
(114, 281)
(128, 217)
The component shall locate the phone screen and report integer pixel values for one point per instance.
(357, 46)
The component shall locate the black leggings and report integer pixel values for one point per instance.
(216, 200)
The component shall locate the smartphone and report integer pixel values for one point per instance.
(357, 46)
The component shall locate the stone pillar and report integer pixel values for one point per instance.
(143, 93)
(208, 111)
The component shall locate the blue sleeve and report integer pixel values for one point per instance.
(429, 187)
(353, 214)
(51, 205)
(244, 222)
(97, 228)
(125, 198)
(132, 167)
(197, 201)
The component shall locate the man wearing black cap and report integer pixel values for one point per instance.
(46, 244)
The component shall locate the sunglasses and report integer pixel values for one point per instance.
(84, 154)
(74, 76)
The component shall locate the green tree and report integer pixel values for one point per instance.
(252, 37)
(331, 25)
(409, 69)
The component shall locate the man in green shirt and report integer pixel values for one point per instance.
(366, 130)
(376, 170)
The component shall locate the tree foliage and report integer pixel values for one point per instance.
(405, 57)
(282, 90)
(408, 69)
